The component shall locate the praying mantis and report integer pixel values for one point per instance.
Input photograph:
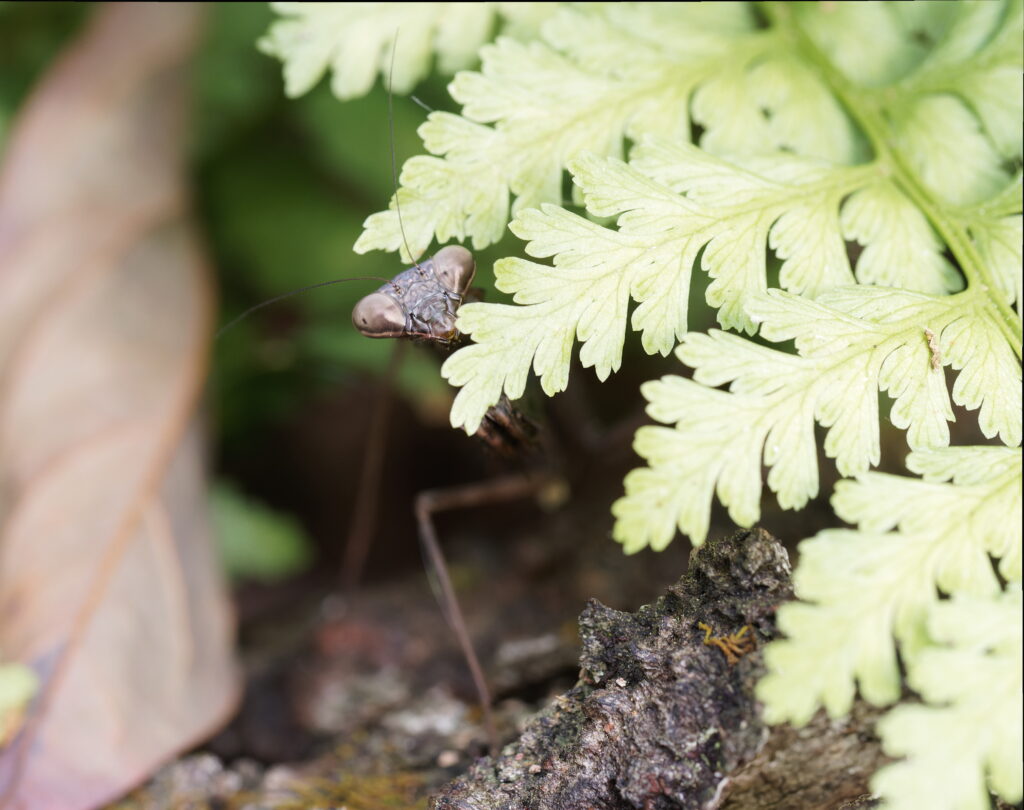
(421, 304)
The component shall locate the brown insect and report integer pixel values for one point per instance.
(421, 304)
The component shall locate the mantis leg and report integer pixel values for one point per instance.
(428, 504)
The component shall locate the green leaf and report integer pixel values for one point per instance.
(872, 44)
(958, 164)
(774, 104)
(999, 243)
(900, 247)
(475, 198)
(979, 59)
(671, 202)
(967, 738)
(256, 542)
(547, 108)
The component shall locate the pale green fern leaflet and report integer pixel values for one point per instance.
(672, 201)
(853, 342)
(579, 91)
(864, 587)
(354, 40)
(969, 736)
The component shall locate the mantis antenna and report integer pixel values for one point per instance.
(391, 134)
(289, 294)
(398, 210)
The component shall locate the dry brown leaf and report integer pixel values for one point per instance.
(109, 588)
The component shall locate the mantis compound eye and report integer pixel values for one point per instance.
(379, 316)
(454, 267)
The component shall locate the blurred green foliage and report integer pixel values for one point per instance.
(31, 34)
(255, 542)
(283, 189)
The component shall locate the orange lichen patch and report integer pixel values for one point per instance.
(733, 646)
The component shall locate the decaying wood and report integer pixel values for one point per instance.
(664, 714)
(825, 765)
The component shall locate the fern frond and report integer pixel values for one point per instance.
(968, 737)
(900, 247)
(999, 243)
(553, 100)
(852, 342)
(863, 588)
(979, 59)
(958, 165)
(672, 201)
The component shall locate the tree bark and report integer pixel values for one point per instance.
(664, 714)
